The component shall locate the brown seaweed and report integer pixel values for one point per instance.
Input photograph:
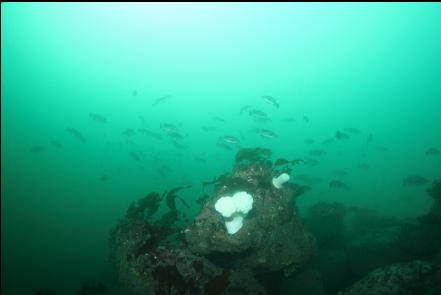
(435, 190)
(170, 198)
(253, 155)
(150, 203)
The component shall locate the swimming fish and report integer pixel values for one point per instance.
(169, 128)
(219, 119)
(308, 179)
(77, 134)
(179, 145)
(244, 108)
(98, 118)
(161, 100)
(341, 135)
(37, 149)
(317, 152)
(265, 133)
(208, 128)
(328, 141)
(288, 120)
(134, 156)
(200, 160)
(129, 132)
(262, 120)
(369, 138)
(56, 144)
(340, 173)
(104, 178)
(224, 146)
(306, 119)
(352, 130)
(176, 135)
(309, 141)
(229, 139)
(432, 152)
(270, 100)
(257, 114)
(382, 148)
(337, 184)
(149, 133)
(281, 161)
(415, 180)
(364, 166)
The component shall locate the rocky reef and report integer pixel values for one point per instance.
(332, 250)
(166, 256)
(272, 237)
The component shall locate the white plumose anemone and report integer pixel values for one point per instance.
(234, 225)
(237, 207)
(280, 180)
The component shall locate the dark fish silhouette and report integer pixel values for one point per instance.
(244, 109)
(306, 119)
(265, 133)
(229, 139)
(281, 161)
(340, 173)
(129, 132)
(309, 141)
(77, 134)
(56, 144)
(104, 178)
(317, 152)
(288, 120)
(432, 152)
(169, 128)
(262, 120)
(328, 141)
(219, 119)
(351, 130)
(270, 100)
(149, 133)
(179, 145)
(415, 180)
(369, 138)
(98, 118)
(257, 114)
(37, 149)
(364, 166)
(382, 149)
(176, 135)
(307, 179)
(224, 146)
(161, 100)
(200, 160)
(337, 184)
(135, 156)
(341, 135)
(134, 93)
(208, 128)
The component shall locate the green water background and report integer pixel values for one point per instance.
(375, 67)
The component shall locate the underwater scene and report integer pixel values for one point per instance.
(221, 148)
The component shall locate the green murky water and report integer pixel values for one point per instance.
(104, 103)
